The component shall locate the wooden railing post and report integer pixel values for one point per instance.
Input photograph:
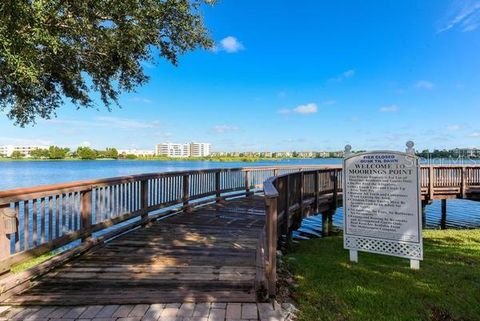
(271, 246)
(247, 183)
(286, 215)
(86, 213)
(431, 182)
(4, 237)
(144, 199)
(316, 188)
(302, 191)
(463, 189)
(217, 187)
(186, 192)
(335, 189)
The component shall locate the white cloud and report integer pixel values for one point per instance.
(229, 44)
(282, 94)
(344, 75)
(221, 129)
(389, 109)
(424, 84)
(85, 144)
(475, 134)
(305, 109)
(463, 15)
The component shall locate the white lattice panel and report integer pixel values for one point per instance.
(395, 248)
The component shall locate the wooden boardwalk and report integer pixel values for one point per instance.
(147, 312)
(220, 253)
(207, 255)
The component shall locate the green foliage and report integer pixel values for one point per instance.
(86, 153)
(39, 153)
(52, 49)
(384, 288)
(55, 152)
(131, 156)
(32, 262)
(17, 155)
(453, 153)
(110, 153)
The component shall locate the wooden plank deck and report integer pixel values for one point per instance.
(148, 312)
(208, 255)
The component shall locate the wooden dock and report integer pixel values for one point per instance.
(195, 236)
(206, 255)
(148, 312)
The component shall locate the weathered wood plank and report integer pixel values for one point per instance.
(183, 258)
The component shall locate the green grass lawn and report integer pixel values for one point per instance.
(447, 286)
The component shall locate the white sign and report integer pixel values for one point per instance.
(381, 201)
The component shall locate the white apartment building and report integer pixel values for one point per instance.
(7, 150)
(468, 152)
(183, 150)
(137, 152)
(200, 149)
(172, 150)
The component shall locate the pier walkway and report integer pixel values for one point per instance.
(205, 255)
(147, 312)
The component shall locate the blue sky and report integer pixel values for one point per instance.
(314, 75)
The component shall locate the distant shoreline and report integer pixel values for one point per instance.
(167, 159)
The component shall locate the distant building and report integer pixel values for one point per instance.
(323, 154)
(172, 150)
(219, 154)
(137, 152)
(468, 152)
(338, 154)
(183, 150)
(199, 149)
(250, 154)
(7, 150)
(306, 154)
(282, 154)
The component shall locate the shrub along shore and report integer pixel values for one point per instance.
(447, 286)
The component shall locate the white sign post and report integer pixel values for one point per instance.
(382, 205)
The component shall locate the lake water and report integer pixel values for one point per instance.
(16, 174)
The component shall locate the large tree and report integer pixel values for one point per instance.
(56, 49)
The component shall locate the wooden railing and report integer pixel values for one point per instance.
(53, 216)
(288, 199)
(292, 196)
(450, 181)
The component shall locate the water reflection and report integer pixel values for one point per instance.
(460, 214)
